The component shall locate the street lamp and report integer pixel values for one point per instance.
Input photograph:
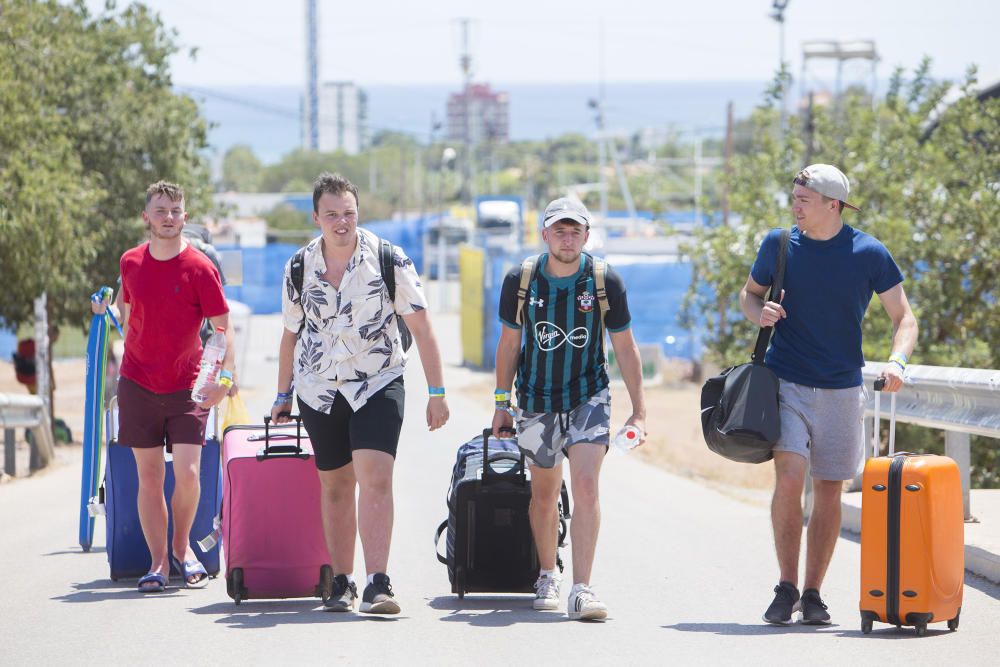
(778, 14)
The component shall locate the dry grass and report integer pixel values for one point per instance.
(674, 439)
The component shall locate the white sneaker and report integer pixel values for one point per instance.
(547, 593)
(584, 605)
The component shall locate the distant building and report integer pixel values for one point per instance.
(489, 116)
(343, 118)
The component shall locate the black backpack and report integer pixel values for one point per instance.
(740, 418)
(387, 270)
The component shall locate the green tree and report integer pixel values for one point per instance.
(89, 120)
(924, 173)
(240, 169)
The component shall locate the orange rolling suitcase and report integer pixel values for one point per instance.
(912, 537)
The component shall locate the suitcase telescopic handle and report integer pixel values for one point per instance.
(274, 450)
(487, 470)
(879, 386)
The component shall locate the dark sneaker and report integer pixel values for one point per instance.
(786, 598)
(813, 609)
(344, 594)
(378, 597)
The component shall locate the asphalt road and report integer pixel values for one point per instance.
(686, 573)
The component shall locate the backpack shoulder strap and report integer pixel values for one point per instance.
(600, 280)
(387, 268)
(297, 269)
(527, 272)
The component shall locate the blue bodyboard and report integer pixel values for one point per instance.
(93, 431)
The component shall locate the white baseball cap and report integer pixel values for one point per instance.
(565, 208)
(828, 181)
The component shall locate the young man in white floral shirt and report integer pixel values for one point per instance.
(341, 343)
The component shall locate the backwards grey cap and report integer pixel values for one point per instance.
(565, 208)
(826, 180)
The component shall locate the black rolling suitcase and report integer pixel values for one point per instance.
(489, 546)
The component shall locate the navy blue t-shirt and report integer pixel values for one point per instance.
(828, 286)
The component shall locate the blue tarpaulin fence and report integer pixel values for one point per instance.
(263, 268)
(655, 286)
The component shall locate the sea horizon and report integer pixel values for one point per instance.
(267, 117)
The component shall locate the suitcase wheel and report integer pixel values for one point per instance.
(325, 588)
(235, 585)
(866, 623)
(953, 623)
(921, 629)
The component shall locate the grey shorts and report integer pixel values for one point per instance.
(826, 426)
(544, 437)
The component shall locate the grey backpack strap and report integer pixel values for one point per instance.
(527, 272)
(600, 276)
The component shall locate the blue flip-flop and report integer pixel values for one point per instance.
(191, 568)
(154, 578)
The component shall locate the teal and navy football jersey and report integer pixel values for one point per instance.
(562, 361)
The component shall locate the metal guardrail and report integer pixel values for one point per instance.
(960, 401)
(25, 411)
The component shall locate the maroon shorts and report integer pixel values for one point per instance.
(146, 419)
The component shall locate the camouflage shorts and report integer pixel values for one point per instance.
(544, 437)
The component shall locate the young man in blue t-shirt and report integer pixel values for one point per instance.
(562, 390)
(831, 272)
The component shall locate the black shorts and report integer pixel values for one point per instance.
(147, 419)
(375, 426)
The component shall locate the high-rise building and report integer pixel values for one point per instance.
(489, 117)
(343, 118)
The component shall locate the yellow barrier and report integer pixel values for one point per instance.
(471, 268)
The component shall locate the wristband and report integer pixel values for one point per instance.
(226, 382)
(283, 398)
(435, 392)
(899, 358)
(226, 374)
(499, 395)
(902, 366)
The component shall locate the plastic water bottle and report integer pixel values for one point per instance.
(628, 437)
(211, 364)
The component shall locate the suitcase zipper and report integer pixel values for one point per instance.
(892, 539)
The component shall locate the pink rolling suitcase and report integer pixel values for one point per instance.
(272, 532)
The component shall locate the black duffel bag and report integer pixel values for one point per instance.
(739, 407)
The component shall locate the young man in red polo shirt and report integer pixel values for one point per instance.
(168, 288)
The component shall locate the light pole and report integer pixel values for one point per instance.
(778, 14)
(601, 157)
(447, 160)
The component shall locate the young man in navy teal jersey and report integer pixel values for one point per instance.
(831, 272)
(563, 400)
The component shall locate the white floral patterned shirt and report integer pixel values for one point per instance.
(350, 339)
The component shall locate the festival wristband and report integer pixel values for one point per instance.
(226, 374)
(899, 358)
(226, 382)
(902, 367)
(501, 395)
(435, 392)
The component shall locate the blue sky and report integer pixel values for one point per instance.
(399, 41)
